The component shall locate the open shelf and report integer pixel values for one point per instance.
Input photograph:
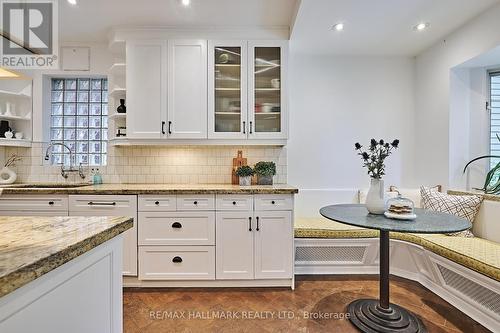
(117, 92)
(227, 65)
(118, 116)
(228, 113)
(15, 142)
(2, 116)
(13, 94)
(118, 69)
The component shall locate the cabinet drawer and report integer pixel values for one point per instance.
(158, 203)
(106, 205)
(234, 202)
(196, 202)
(177, 228)
(34, 203)
(274, 202)
(176, 263)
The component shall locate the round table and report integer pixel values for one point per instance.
(370, 315)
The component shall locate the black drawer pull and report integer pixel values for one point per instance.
(51, 203)
(273, 202)
(258, 227)
(196, 202)
(234, 203)
(250, 224)
(101, 203)
(177, 259)
(176, 225)
(157, 203)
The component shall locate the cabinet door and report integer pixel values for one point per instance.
(273, 245)
(234, 250)
(187, 89)
(227, 90)
(267, 100)
(124, 205)
(146, 89)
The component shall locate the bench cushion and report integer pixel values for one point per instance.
(478, 254)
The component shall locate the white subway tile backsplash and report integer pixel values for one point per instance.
(184, 165)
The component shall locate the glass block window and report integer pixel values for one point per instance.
(79, 119)
(495, 117)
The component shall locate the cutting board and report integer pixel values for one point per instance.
(238, 161)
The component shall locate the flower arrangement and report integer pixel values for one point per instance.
(374, 157)
(13, 159)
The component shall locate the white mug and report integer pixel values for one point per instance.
(9, 134)
(19, 135)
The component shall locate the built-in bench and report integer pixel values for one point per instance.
(463, 271)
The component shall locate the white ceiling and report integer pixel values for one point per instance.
(90, 20)
(379, 27)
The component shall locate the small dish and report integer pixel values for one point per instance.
(405, 217)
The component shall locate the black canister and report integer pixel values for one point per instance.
(4, 127)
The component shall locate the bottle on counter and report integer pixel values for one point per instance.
(97, 177)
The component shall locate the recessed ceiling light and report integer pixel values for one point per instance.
(421, 26)
(338, 27)
(186, 2)
(72, 2)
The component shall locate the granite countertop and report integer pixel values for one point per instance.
(33, 246)
(154, 189)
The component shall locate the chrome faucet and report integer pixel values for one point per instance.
(65, 171)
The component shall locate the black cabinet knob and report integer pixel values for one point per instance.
(51, 203)
(273, 202)
(196, 202)
(176, 225)
(177, 259)
(234, 203)
(157, 203)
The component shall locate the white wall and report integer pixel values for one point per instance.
(336, 101)
(432, 116)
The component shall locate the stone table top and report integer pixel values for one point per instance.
(427, 222)
(33, 246)
(159, 189)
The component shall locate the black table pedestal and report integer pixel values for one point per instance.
(376, 316)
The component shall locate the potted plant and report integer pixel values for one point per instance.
(373, 159)
(265, 172)
(245, 173)
(492, 181)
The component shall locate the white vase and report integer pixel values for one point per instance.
(246, 181)
(7, 176)
(375, 199)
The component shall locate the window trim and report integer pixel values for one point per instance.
(491, 73)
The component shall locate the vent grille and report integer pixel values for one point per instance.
(330, 254)
(479, 294)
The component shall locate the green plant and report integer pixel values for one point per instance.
(13, 159)
(492, 181)
(244, 171)
(265, 168)
(375, 156)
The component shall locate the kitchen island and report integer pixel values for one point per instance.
(61, 274)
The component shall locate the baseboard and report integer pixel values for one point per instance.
(133, 282)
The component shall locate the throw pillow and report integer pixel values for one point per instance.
(465, 206)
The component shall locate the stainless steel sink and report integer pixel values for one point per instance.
(48, 185)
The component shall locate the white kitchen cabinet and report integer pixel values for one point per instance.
(234, 249)
(273, 245)
(187, 89)
(227, 90)
(267, 84)
(111, 205)
(146, 89)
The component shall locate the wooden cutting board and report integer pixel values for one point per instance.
(238, 161)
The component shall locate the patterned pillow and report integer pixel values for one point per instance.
(465, 206)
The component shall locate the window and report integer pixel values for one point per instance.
(79, 119)
(495, 116)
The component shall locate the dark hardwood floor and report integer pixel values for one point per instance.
(282, 310)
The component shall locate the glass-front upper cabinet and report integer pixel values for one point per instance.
(267, 100)
(227, 61)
